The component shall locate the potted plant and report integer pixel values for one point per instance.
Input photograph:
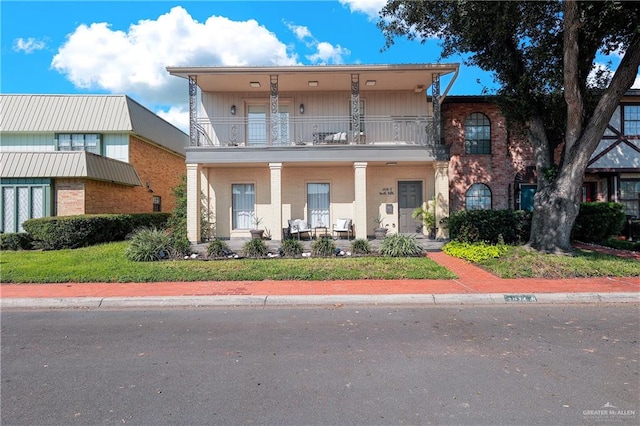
(379, 231)
(255, 232)
(427, 217)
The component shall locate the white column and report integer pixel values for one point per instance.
(193, 203)
(360, 181)
(275, 216)
(442, 196)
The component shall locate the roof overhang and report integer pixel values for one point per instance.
(67, 164)
(404, 77)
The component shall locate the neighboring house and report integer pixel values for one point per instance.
(317, 143)
(613, 173)
(489, 166)
(64, 155)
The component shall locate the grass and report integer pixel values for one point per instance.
(520, 263)
(107, 263)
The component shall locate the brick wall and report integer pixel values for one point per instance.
(69, 197)
(510, 154)
(161, 168)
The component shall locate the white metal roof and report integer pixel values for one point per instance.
(70, 164)
(89, 114)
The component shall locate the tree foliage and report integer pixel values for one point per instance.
(542, 55)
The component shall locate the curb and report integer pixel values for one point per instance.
(301, 300)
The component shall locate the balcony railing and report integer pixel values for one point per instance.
(320, 131)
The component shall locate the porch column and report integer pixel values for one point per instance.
(193, 203)
(442, 196)
(273, 109)
(355, 108)
(193, 113)
(435, 92)
(360, 183)
(275, 219)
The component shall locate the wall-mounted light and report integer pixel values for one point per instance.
(370, 83)
(254, 84)
(392, 163)
(313, 83)
(301, 108)
(148, 186)
(233, 110)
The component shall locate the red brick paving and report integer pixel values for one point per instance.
(471, 279)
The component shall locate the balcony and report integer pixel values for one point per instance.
(293, 132)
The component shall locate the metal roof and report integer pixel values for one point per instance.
(88, 114)
(67, 164)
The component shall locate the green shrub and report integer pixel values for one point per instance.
(149, 245)
(218, 248)
(255, 247)
(487, 225)
(398, 245)
(59, 232)
(474, 252)
(324, 247)
(291, 248)
(15, 241)
(622, 244)
(598, 221)
(361, 246)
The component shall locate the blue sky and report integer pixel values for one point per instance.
(124, 46)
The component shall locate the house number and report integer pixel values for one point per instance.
(386, 191)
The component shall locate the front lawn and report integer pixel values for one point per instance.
(517, 262)
(107, 263)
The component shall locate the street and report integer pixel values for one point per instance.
(518, 364)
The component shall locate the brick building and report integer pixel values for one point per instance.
(64, 155)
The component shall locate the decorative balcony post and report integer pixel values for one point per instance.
(355, 107)
(435, 91)
(273, 102)
(193, 114)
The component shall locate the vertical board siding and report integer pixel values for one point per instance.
(116, 147)
(28, 142)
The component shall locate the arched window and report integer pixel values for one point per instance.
(477, 134)
(478, 197)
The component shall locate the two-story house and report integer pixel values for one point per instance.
(64, 155)
(316, 143)
(319, 143)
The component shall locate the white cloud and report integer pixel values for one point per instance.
(328, 53)
(134, 61)
(28, 45)
(176, 115)
(636, 83)
(300, 31)
(368, 7)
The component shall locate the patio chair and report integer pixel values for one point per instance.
(343, 226)
(299, 228)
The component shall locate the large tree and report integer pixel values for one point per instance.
(542, 54)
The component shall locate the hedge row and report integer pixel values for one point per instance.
(59, 232)
(490, 226)
(596, 222)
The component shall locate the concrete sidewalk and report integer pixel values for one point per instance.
(474, 286)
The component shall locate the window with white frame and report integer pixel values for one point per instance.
(318, 203)
(477, 134)
(630, 196)
(243, 205)
(79, 142)
(478, 197)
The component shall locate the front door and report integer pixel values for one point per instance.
(409, 197)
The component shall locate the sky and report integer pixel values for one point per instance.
(124, 47)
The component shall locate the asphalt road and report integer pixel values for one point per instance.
(472, 365)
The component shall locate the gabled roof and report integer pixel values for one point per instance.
(88, 114)
(69, 164)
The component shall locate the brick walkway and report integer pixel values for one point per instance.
(470, 280)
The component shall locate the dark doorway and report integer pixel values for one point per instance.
(409, 197)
